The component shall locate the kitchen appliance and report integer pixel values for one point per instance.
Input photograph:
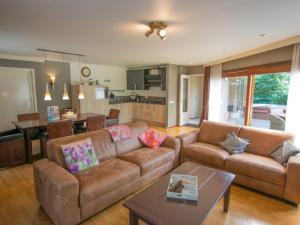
(132, 97)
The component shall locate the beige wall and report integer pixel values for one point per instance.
(273, 56)
(195, 69)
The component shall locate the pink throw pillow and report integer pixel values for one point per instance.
(152, 138)
(119, 132)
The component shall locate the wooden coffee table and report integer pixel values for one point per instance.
(152, 206)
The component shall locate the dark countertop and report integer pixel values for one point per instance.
(121, 102)
(142, 99)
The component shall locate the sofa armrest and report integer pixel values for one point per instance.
(292, 186)
(57, 191)
(173, 143)
(188, 138)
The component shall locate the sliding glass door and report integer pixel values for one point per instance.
(233, 106)
(269, 100)
(256, 96)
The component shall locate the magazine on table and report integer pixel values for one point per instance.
(184, 187)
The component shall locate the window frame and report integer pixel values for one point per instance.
(250, 72)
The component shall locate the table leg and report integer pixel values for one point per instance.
(133, 218)
(28, 145)
(227, 199)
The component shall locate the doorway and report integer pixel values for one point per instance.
(17, 94)
(191, 99)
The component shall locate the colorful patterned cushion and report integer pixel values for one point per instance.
(119, 132)
(152, 138)
(79, 155)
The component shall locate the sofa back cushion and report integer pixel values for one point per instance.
(132, 143)
(262, 141)
(102, 142)
(214, 132)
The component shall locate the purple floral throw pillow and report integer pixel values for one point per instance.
(79, 155)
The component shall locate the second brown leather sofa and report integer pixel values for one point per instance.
(254, 168)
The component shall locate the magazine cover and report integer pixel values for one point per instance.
(53, 113)
(183, 187)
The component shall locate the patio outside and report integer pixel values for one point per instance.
(269, 105)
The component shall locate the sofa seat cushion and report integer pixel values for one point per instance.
(208, 154)
(149, 159)
(255, 166)
(106, 177)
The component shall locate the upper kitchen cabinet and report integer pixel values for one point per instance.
(135, 79)
(155, 77)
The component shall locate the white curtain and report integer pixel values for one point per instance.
(293, 105)
(215, 93)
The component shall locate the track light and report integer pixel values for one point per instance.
(47, 94)
(162, 34)
(65, 94)
(149, 32)
(160, 28)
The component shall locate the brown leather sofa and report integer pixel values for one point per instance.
(254, 168)
(124, 167)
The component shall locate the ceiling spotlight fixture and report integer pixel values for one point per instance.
(160, 28)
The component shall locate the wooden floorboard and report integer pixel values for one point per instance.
(18, 204)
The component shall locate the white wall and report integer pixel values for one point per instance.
(117, 76)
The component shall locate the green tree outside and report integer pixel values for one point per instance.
(271, 88)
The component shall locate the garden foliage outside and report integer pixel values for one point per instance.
(271, 88)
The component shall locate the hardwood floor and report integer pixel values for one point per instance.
(18, 205)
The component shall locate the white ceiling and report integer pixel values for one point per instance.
(112, 32)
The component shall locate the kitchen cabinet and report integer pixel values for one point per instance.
(135, 80)
(149, 113)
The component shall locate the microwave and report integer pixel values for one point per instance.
(101, 92)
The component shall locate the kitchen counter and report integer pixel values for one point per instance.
(156, 103)
(143, 100)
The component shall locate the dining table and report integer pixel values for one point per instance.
(41, 124)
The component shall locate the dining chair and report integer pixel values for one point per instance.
(113, 117)
(114, 114)
(55, 130)
(28, 116)
(95, 123)
(35, 133)
(92, 123)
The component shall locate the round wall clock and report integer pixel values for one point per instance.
(85, 71)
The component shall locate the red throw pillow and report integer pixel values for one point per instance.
(152, 138)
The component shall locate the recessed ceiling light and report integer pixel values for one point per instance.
(262, 35)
